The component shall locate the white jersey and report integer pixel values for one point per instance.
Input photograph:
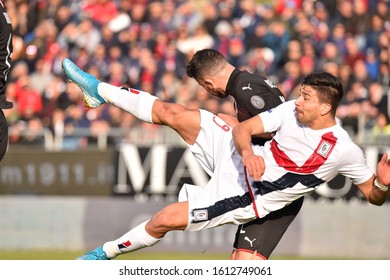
(297, 160)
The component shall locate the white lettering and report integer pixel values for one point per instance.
(130, 164)
(188, 166)
(155, 164)
(159, 165)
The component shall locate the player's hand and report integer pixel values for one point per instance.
(383, 170)
(255, 165)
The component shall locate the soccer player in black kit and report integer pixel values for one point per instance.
(5, 66)
(252, 94)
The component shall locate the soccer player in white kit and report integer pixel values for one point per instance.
(309, 148)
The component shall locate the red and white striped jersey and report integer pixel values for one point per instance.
(299, 159)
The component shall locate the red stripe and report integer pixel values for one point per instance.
(252, 252)
(251, 193)
(318, 157)
(132, 90)
(127, 243)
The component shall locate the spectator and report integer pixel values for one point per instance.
(74, 119)
(360, 73)
(330, 54)
(277, 39)
(353, 52)
(378, 98)
(360, 22)
(223, 30)
(372, 64)
(339, 38)
(383, 10)
(33, 134)
(154, 39)
(100, 11)
(29, 100)
(42, 76)
(87, 36)
(382, 125)
(374, 33)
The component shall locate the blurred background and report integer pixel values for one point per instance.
(74, 178)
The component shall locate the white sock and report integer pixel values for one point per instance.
(135, 239)
(136, 102)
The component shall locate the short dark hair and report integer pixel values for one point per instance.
(328, 87)
(205, 62)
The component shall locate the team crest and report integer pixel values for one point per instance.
(324, 149)
(257, 102)
(201, 215)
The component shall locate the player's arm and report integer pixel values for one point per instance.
(232, 122)
(376, 189)
(242, 135)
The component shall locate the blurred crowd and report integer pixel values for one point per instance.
(146, 44)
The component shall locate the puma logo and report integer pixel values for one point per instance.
(248, 87)
(250, 241)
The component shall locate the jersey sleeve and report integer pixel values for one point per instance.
(355, 167)
(273, 118)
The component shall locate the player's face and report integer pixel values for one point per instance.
(307, 106)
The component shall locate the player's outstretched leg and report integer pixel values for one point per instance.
(140, 104)
(146, 234)
(136, 102)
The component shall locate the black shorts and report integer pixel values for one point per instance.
(262, 235)
(3, 135)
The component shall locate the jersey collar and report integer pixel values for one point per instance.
(232, 82)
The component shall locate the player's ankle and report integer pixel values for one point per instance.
(111, 249)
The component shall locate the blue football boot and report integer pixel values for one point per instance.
(96, 254)
(86, 82)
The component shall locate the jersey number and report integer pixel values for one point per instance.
(222, 125)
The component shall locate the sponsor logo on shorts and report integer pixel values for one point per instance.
(201, 215)
(257, 102)
(250, 241)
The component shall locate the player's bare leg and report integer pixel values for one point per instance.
(147, 108)
(142, 105)
(171, 217)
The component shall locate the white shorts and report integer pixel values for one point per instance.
(225, 198)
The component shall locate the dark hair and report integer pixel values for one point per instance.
(328, 87)
(205, 62)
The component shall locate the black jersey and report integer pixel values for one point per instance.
(5, 54)
(253, 94)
